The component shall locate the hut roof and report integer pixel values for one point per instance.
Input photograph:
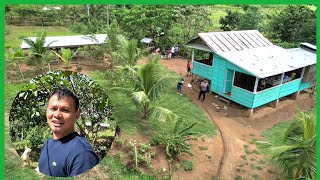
(70, 41)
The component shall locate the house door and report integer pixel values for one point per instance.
(228, 81)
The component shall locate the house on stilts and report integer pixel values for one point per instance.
(246, 68)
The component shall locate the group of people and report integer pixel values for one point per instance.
(170, 52)
(204, 84)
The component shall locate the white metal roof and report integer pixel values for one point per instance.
(271, 60)
(70, 41)
(146, 40)
(251, 51)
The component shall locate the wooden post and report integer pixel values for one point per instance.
(275, 103)
(295, 95)
(255, 86)
(250, 113)
(192, 58)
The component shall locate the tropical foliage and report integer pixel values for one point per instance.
(66, 55)
(176, 140)
(39, 49)
(148, 85)
(297, 154)
(15, 58)
(294, 24)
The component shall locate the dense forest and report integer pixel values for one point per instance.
(284, 25)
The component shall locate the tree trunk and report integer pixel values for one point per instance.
(145, 111)
(20, 71)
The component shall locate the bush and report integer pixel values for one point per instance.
(187, 165)
(78, 28)
(154, 140)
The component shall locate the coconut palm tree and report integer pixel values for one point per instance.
(128, 51)
(149, 84)
(297, 156)
(39, 49)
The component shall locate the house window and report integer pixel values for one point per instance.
(203, 57)
(244, 81)
(292, 75)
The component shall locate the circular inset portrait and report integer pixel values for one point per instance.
(62, 123)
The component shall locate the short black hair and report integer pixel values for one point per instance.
(65, 92)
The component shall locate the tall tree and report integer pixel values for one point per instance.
(230, 21)
(295, 23)
(252, 17)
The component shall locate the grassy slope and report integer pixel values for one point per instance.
(15, 32)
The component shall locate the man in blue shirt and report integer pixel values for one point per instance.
(66, 153)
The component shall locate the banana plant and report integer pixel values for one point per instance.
(14, 58)
(66, 55)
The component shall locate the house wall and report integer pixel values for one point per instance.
(217, 72)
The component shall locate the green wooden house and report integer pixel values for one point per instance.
(246, 68)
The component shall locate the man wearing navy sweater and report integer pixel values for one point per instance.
(66, 153)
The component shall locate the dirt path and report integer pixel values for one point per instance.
(236, 130)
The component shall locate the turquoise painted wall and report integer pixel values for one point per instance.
(304, 86)
(202, 70)
(216, 74)
(266, 96)
(242, 96)
(289, 87)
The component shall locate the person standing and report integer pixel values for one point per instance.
(203, 89)
(172, 52)
(188, 68)
(179, 85)
(176, 51)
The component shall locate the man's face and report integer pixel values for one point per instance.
(61, 116)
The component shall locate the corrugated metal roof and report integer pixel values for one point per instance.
(251, 51)
(234, 40)
(202, 47)
(70, 41)
(146, 40)
(271, 60)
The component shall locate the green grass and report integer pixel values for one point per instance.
(202, 148)
(15, 32)
(11, 90)
(116, 170)
(244, 157)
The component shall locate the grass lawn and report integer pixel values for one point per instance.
(14, 33)
(10, 92)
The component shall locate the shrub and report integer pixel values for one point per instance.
(78, 28)
(187, 165)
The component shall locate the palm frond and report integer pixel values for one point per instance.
(125, 91)
(139, 98)
(162, 114)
